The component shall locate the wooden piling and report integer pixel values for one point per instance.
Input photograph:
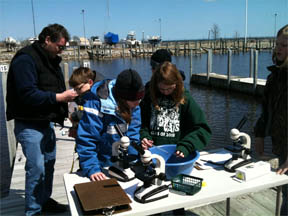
(66, 74)
(8, 141)
(209, 63)
(255, 70)
(191, 63)
(229, 64)
(251, 66)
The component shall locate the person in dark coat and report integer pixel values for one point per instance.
(273, 120)
(37, 98)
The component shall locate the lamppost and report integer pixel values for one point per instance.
(209, 37)
(143, 37)
(33, 19)
(160, 28)
(84, 27)
(275, 24)
(246, 21)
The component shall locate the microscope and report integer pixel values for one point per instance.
(121, 160)
(153, 177)
(240, 149)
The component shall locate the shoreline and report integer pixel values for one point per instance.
(177, 48)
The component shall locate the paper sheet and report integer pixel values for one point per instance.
(213, 160)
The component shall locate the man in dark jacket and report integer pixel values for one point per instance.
(37, 97)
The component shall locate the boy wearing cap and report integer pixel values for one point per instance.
(159, 57)
(109, 102)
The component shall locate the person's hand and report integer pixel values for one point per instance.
(146, 144)
(98, 176)
(179, 154)
(283, 168)
(72, 132)
(259, 146)
(66, 96)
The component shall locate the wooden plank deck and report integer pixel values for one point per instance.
(261, 203)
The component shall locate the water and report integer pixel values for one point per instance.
(223, 109)
(240, 65)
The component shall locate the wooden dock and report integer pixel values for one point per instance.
(245, 85)
(261, 203)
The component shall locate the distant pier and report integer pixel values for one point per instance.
(248, 85)
(182, 47)
(177, 47)
(238, 84)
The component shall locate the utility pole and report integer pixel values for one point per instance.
(33, 19)
(84, 28)
(143, 37)
(275, 24)
(246, 22)
(160, 28)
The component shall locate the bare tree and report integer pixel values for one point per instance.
(215, 30)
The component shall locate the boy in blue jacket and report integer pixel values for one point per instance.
(109, 102)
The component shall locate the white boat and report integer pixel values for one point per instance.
(32, 39)
(11, 43)
(154, 40)
(96, 41)
(131, 39)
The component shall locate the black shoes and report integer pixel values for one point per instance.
(53, 207)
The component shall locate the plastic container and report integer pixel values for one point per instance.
(187, 184)
(175, 165)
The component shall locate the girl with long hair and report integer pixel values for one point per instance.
(170, 115)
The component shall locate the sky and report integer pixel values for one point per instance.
(173, 19)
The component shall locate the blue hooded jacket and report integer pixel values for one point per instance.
(96, 131)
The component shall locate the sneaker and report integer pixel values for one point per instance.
(53, 207)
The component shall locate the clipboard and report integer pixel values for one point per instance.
(97, 197)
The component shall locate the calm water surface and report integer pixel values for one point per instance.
(223, 109)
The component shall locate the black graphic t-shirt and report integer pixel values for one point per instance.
(166, 121)
(185, 126)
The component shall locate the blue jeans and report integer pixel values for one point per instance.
(39, 147)
(284, 206)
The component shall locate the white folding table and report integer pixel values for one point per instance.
(219, 186)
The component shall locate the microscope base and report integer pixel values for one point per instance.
(151, 193)
(231, 165)
(121, 174)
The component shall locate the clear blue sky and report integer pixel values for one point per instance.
(180, 19)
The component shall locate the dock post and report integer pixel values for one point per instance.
(66, 74)
(143, 50)
(209, 64)
(255, 70)
(7, 137)
(229, 67)
(251, 63)
(139, 49)
(74, 52)
(175, 49)
(78, 53)
(110, 51)
(191, 63)
(184, 49)
(123, 51)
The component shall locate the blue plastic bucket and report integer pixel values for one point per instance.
(175, 165)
